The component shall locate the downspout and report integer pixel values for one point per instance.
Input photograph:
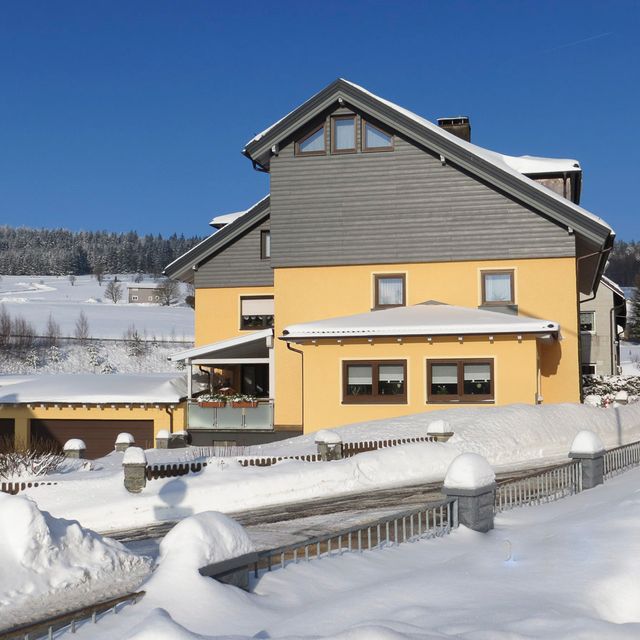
(301, 381)
(169, 411)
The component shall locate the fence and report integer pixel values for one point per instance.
(430, 521)
(155, 471)
(15, 487)
(621, 458)
(537, 488)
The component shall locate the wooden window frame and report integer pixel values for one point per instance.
(460, 397)
(263, 244)
(587, 332)
(381, 276)
(299, 152)
(265, 325)
(334, 150)
(363, 136)
(497, 303)
(375, 397)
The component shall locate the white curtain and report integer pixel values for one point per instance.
(360, 375)
(390, 291)
(391, 373)
(345, 134)
(477, 373)
(257, 306)
(376, 138)
(497, 287)
(444, 374)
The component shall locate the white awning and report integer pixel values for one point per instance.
(252, 346)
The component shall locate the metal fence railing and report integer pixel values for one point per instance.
(430, 521)
(621, 458)
(537, 488)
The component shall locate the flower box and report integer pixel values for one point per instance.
(244, 404)
(212, 404)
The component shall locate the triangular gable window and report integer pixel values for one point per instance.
(312, 143)
(375, 139)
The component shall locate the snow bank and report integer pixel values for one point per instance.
(42, 557)
(469, 471)
(438, 427)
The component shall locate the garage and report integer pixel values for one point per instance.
(98, 435)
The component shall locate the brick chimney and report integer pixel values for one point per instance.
(458, 126)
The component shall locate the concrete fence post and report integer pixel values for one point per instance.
(124, 441)
(472, 482)
(329, 445)
(589, 450)
(439, 430)
(134, 464)
(74, 448)
(162, 439)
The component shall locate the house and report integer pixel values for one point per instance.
(603, 319)
(144, 292)
(394, 268)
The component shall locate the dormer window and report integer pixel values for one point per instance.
(374, 139)
(343, 134)
(265, 244)
(312, 144)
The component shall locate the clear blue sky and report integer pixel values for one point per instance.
(132, 114)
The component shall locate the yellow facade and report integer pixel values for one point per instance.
(218, 312)
(163, 417)
(544, 288)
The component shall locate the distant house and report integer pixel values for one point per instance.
(144, 292)
(394, 268)
(602, 321)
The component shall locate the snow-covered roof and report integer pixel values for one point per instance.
(92, 388)
(616, 288)
(145, 285)
(221, 345)
(426, 319)
(514, 166)
(226, 218)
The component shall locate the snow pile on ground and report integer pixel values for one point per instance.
(509, 437)
(469, 471)
(564, 570)
(226, 486)
(42, 558)
(610, 388)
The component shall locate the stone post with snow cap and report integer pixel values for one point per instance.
(439, 430)
(472, 482)
(74, 448)
(124, 441)
(588, 448)
(162, 439)
(329, 445)
(134, 464)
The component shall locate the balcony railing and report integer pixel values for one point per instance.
(231, 418)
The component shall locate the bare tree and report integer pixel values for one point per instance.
(82, 328)
(52, 331)
(190, 298)
(113, 291)
(72, 279)
(98, 272)
(23, 332)
(5, 326)
(168, 292)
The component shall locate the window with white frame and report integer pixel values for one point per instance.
(256, 312)
(587, 322)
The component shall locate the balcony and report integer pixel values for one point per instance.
(230, 418)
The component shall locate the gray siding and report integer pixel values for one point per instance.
(399, 206)
(238, 264)
(597, 347)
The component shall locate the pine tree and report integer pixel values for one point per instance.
(633, 323)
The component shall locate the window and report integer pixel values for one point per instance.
(374, 139)
(587, 322)
(343, 134)
(459, 381)
(390, 291)
(588, 369)
(134, 298)
(497, 287)
(377, 381)
(256, 312)
(265, 245)
(312, 144)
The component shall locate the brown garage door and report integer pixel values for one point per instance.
(7, 432)
(98, 435)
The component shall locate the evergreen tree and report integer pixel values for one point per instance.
(633, 323)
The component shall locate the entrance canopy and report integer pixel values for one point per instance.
(251, 348)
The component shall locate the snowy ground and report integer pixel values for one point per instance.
(630, 358)
(35, 297)
(566, 570)
(509, 437)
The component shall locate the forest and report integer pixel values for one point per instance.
(25, 251)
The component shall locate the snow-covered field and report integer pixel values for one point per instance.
(630, 358)
(508, 437)
(566, 570)
(35, 297)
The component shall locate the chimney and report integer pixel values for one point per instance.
(459, 126)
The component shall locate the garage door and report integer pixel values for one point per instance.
(7, 432)
(98, 435)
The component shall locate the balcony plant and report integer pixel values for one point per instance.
(244, 401)
(212, 400)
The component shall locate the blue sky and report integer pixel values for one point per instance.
(132, 114)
